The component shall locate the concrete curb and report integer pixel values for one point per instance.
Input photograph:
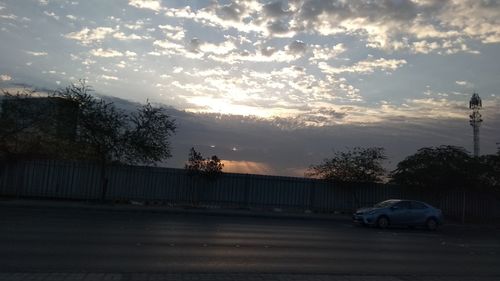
(58, 204)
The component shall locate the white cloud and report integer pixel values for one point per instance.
(363, 67)
(477, 19)
(136, 25)
(130, 54)
(108, 77)
(218, 49)
(5, 77)
(154, 5)
(173, 32)
(8, 17)
(51, 14)
(87, 36)
(123, 36)
(167, 45)
(121, 64)
(108, 53)
(234, 15)
(37, 54)
(465, 84)
(325, 53)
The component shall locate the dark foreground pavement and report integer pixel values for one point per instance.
(74, 244)
(223, 277)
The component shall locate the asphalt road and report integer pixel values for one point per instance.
(58, 240)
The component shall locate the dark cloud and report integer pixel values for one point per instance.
(297, 47)
(268, 51)
(490, 4)
(311, 10)
(194, 45)
(274, 10)
(233, 11)
(288, 146)
(401, 10)
(371, 10)
(278, 27)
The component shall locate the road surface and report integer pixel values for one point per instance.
(74, 241)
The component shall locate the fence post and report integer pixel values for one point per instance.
(247, 192)
(463, 207)
(312, 191)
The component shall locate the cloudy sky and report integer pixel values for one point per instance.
(273, 86)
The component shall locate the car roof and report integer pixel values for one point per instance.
(406, 200)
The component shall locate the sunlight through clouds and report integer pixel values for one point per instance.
(270, 59)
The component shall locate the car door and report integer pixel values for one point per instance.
(418, 213)
(400, 213)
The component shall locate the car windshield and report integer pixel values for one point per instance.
(385, 204)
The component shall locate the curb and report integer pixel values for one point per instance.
(78, 205)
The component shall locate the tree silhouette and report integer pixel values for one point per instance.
(355, 165)
(195, 162)
(443, 167)
(107, 134)
(34, 125)
(209, 167)
(490, 171)
(148, 140)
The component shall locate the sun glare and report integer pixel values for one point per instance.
(218, 105)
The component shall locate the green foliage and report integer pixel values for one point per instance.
(490, 171)
(443, 167)
(107, 134)
(197, 165)
(355, 165)
(33, 125)
(71, 123)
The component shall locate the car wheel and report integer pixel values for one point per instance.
(383, 222)
(431, 224)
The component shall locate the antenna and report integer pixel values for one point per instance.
(475, 120)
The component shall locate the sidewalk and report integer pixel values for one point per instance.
(257, 213)
(222, 277)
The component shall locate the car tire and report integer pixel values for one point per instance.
(431, 224)
(383, 222)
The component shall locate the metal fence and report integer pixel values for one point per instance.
(81, 181)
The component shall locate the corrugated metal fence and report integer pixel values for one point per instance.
(77, 180)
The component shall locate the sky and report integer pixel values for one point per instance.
(272, 87)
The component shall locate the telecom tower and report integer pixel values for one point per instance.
(475, 120)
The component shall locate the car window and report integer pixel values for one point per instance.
(384, 204)
(418, 205)
(402, 205)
